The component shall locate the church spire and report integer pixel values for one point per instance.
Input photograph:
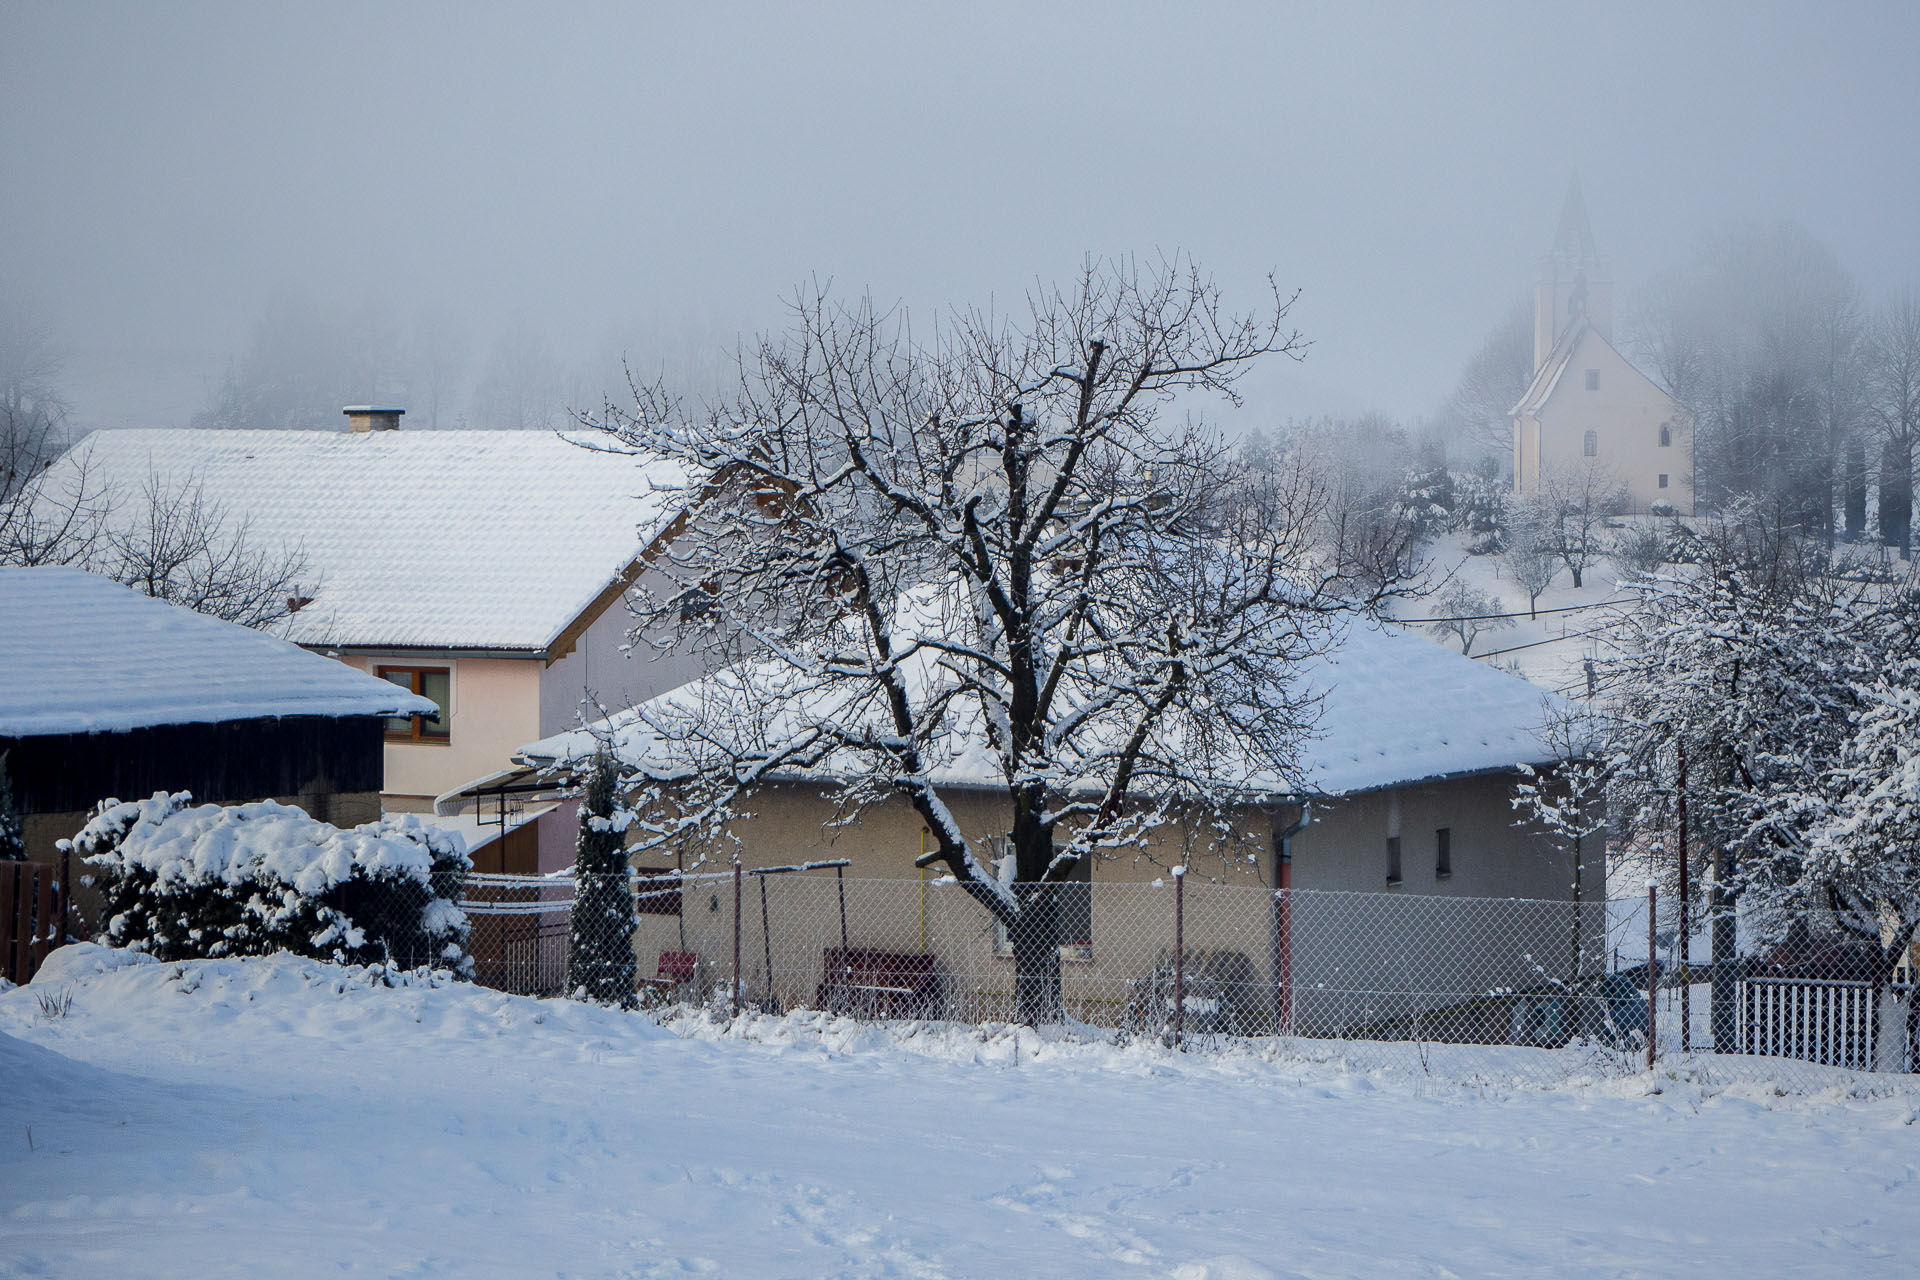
(1575, 236)
(1571, 285)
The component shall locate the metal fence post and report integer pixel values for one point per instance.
(736, 936)
(1653, 982)
(1179, 954)
(1686, 941)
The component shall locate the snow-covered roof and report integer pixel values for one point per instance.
(444, 539)
(1393, 709)
(81, 654)
(1547, 377)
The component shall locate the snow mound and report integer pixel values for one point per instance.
(119, 992)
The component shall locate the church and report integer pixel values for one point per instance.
(1588, 411)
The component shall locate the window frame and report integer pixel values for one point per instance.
(1443, 853)
(1663, 480)
(1593, 379)
(1394, 868)
(1666, 435)
(1590, 444)
(416, 730)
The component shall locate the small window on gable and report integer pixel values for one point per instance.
(1593, 379)
(1393, 859)
(1591, 445)
(1663, 479)
(1443, 853)
(1666, 435)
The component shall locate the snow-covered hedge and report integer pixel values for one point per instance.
(184, 881)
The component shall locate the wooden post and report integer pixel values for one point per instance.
(1179, 954)
(1653, 982)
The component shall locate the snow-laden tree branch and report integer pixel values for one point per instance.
(986, 557)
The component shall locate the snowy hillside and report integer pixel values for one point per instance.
(280, 1117)
(1548, 649)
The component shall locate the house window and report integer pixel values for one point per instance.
(1393, 859)
(1666, 435)
(1591, 445)
(1663, 479)
(1443, 853)
(1593, 379)
(435, 683)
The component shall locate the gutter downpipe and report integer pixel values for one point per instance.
(1282, 958)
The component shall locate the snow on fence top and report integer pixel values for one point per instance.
(81, 654)
(1393, 709)
(456, 539)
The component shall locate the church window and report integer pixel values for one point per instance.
(1593, 379)
(1663, 479)
(1666, 434)
(1592, 444)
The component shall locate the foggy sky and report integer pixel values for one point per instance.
(598, 170)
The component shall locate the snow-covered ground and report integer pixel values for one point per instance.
(279, 1117)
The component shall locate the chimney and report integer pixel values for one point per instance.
(365, 417)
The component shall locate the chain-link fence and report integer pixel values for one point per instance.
(1474, 988)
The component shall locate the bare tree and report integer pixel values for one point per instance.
(33, 413)
(1467, 613)
(1532, 565)
(984, 557)
(1494, 379)
(168, 540)
(179, 546)
(1567, 516)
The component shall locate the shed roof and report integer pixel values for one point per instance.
(1394, 709)
(82, 654)
(428, 539)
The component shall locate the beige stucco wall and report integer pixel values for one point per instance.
(599, 672)
(1351, 941)
(1625, 413)
(495, 711)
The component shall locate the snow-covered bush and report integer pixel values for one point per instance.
(1640, 549)
(184, 881)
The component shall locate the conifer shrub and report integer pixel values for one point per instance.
(600, 958)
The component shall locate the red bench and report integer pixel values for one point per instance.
(870, 983)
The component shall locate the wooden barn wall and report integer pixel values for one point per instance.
(222, 763)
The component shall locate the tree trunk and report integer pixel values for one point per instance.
(1854, 516)
(1035, 935)
(1576, 575)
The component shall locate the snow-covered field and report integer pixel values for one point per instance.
(279, 1117)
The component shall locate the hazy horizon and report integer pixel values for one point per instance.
(607, 178)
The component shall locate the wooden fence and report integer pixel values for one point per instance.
(32, 911)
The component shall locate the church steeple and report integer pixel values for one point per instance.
(1572, 282)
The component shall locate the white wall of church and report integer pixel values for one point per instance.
(1602, 393)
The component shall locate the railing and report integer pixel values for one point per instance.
(1815, 1020)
